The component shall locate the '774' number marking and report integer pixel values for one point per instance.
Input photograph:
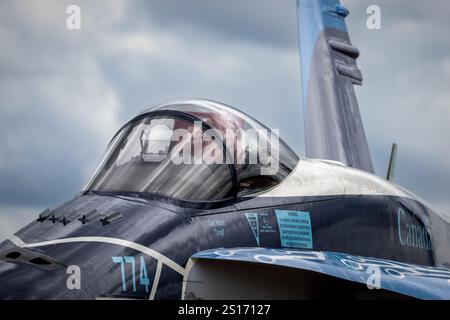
(143, 278)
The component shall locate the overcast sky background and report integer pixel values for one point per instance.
(63, 94)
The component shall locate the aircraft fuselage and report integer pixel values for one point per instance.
(142, 251)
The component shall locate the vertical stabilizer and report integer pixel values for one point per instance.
(333, 125)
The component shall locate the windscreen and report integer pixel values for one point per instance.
(157, 155)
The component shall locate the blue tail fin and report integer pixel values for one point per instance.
(333, 124)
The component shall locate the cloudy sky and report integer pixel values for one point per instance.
(63, 93)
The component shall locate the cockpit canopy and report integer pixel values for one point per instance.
(195, 150)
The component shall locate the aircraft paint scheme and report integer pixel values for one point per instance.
(145, 228)
(411, 234)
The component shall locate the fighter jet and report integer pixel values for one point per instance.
(197, 200)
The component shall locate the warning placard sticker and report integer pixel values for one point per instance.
(295, 229)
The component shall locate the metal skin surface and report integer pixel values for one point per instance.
(262, 273)
(139, 246)
(359, 224)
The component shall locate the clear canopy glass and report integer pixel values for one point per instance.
(196, 150)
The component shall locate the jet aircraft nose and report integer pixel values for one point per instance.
(35, 278)
(91, 247)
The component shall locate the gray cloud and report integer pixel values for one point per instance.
(272, 22)
(64, 93)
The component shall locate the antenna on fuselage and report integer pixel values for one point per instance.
(392, 160)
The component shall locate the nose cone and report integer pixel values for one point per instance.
(91, 247)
